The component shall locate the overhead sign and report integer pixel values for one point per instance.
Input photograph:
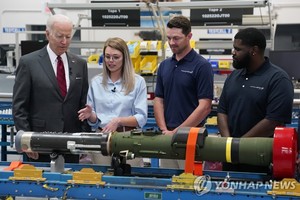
(13, 29)
(115, 17)
(219, 16)
(219, 31)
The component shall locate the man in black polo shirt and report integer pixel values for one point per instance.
(257, 96)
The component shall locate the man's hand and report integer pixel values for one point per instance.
(167, 132)
(33, 155)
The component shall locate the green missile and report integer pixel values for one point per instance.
(253, 151)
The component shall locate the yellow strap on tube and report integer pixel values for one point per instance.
(228, 149)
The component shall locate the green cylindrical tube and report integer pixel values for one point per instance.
(254, 151)
(150, 146)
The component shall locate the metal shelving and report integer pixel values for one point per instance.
(162, 6)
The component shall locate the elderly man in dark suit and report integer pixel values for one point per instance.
(51, 86)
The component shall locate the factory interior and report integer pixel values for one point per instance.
(202, 151)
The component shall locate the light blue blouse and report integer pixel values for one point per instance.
(111, 102)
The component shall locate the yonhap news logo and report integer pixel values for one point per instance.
(204, 184)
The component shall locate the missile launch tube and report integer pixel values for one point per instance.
(254, 151)
(281, 150)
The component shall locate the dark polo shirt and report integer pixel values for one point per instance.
(249, 98)
(181, 84)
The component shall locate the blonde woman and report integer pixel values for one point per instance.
(117, 98)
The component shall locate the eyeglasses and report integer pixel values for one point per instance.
(113, 58)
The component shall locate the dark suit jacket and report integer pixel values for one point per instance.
(37, 101)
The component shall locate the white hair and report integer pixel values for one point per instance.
(57, 18)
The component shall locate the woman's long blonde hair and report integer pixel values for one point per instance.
(127, 72)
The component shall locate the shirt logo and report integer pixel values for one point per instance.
(256, 87)
(185, 71)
